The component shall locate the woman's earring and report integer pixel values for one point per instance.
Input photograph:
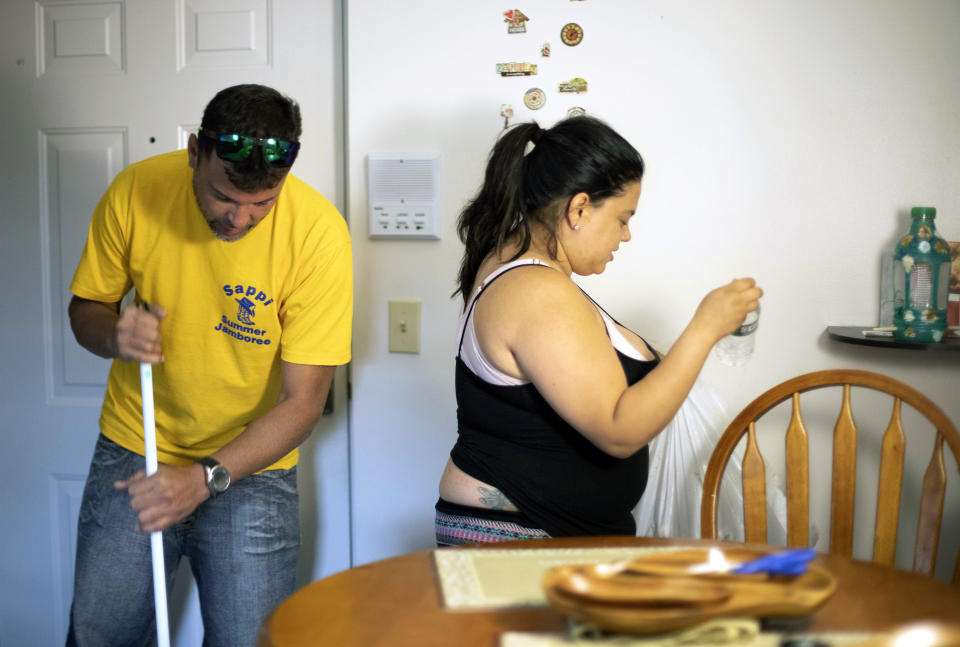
(576, 227)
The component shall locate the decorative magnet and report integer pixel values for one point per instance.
(573, 86)
(576, 111)
(534, 98)
(506, 111)
(516, 69)
(545, 50)
(516, 21)
(571, 34)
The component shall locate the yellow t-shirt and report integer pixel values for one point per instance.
(234, 309)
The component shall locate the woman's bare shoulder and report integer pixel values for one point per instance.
(533, 285)
(532, 311)
(533, 298)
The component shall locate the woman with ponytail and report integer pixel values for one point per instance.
(557, 401)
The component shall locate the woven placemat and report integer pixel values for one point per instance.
(724, 632)
(485, 579)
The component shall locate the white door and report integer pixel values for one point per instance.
(88, 87)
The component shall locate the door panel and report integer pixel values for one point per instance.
(75, 166)
(90, 87)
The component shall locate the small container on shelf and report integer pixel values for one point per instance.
(921, 270)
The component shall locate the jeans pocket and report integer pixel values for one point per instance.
(110, 463)
(273, 523)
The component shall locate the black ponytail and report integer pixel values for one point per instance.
(579, 154)
(497, 210)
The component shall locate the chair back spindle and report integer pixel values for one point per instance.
(889, 486)
(931, 510)
(844, 479)
(798, 479)
(754, 491)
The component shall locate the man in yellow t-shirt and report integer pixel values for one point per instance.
(243, 302)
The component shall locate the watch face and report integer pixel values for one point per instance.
(220, 478)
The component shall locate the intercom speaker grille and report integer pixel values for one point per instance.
(410, 180)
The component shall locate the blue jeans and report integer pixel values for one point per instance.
(242, 548)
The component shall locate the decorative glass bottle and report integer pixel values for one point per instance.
(921, 269)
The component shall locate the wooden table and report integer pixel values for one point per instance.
(397, 602)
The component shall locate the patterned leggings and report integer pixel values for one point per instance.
(459, 524)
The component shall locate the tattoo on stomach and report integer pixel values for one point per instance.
(494, 499)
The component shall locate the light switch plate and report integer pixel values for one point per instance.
(403, 334)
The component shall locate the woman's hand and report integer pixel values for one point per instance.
(722, 310)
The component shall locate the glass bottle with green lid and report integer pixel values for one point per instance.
(921, 270)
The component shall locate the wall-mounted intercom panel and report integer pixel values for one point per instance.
(403, 192)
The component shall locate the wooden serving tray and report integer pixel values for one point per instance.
(643, 598)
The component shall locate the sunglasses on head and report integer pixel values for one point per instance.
(236, 148)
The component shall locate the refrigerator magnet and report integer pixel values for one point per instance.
(506, 111)
(545, 50)
(516, 21)
(576, 111)
(571, 34)
(573, 86)
(534, 98)
(516, 69)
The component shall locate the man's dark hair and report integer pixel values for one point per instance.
(255, 111)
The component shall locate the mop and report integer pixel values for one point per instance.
(156, 538)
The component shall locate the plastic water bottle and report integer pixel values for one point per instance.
(736, 348)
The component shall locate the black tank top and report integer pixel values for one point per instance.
(511, 439)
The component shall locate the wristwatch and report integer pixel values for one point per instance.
(217, 476)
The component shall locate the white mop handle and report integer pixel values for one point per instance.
(156, 538)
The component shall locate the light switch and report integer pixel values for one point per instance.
(404, 326)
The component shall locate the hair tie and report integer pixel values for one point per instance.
(537, 134)
(533, 141)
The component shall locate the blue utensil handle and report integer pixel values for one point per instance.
(787, 562)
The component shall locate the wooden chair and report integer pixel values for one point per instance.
(844, 470)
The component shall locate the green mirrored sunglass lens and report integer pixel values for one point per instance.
(278, 151)
(234, 148)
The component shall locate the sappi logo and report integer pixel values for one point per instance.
(247, 300)
(245, 311)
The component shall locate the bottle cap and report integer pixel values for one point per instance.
(919, 212)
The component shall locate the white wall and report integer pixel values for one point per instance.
(784, 140)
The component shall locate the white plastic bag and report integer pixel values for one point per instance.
(670, 506)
